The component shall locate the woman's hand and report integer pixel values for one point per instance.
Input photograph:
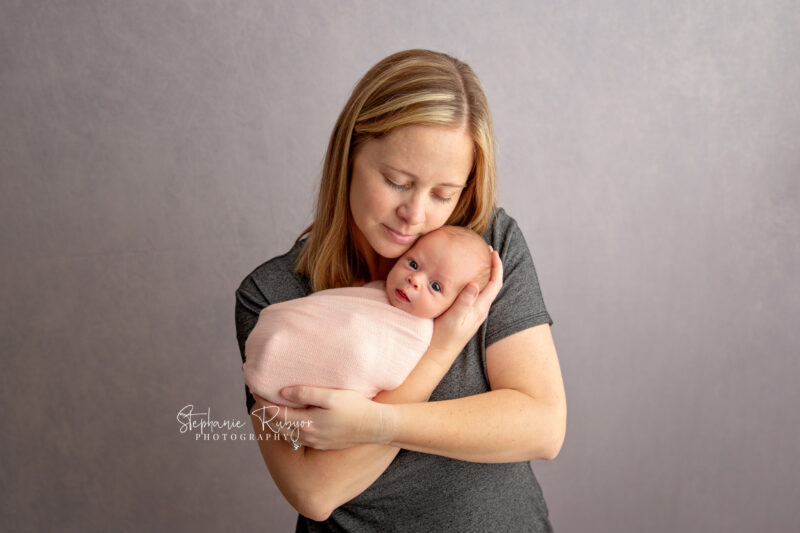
(334, 418)
(453, 329)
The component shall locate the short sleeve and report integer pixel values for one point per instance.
(249, 303)
(519, 304)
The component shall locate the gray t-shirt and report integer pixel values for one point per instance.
(419, 491)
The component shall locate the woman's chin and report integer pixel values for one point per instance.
(390, 250)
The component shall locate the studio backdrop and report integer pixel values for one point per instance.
(153, 153)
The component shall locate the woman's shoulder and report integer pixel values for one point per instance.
(503, 230)
(276, 280)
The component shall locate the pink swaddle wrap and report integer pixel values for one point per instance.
(348, 338)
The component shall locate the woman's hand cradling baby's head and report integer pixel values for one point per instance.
(453, 329)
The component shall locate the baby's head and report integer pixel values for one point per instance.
(426, 280)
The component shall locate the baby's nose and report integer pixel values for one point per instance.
(413, 282)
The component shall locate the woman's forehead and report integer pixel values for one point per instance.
(426, 153)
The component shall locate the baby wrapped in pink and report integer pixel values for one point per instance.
(348, 338)
(366, 338)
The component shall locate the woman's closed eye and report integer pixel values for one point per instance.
(395, 185)
(442, 199)
(404, 187)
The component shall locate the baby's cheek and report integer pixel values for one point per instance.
(421, 309)
(435, 308)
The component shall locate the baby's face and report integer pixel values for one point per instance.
(426, 280)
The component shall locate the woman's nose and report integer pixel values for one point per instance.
(412, 211)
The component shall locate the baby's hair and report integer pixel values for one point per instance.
(483, 254)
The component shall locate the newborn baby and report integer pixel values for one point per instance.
(366, 338)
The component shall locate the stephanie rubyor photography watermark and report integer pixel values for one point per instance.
(205, 428)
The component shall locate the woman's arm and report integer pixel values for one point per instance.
(315, 482)
(522, 418)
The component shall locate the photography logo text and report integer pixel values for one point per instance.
(206, 428)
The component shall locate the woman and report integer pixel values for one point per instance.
(448, 450)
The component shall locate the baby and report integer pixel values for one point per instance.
(366, 338)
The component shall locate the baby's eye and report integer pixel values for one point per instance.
(412, 264)
(435, 286)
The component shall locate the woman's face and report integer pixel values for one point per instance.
(406, 184)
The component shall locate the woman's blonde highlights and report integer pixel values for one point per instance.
(414, 87)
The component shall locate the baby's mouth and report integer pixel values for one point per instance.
(401, 295)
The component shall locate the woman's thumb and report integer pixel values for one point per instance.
(469, 294)
(293, 394)
(305, 395)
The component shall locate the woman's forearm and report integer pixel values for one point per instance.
(317, 481)
(499, 426)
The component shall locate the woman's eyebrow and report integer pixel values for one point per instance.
(414, 176)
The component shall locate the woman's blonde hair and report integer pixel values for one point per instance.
(414, 87)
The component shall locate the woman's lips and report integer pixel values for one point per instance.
(400, 238)
(401, 295)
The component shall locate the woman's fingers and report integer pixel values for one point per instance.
(284, 422)
(455, 327)
(497, 269)
(304, 395)
(489, 293)
(310, 396)
(345, 418)
(469, 295)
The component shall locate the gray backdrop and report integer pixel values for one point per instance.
(153, 153)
